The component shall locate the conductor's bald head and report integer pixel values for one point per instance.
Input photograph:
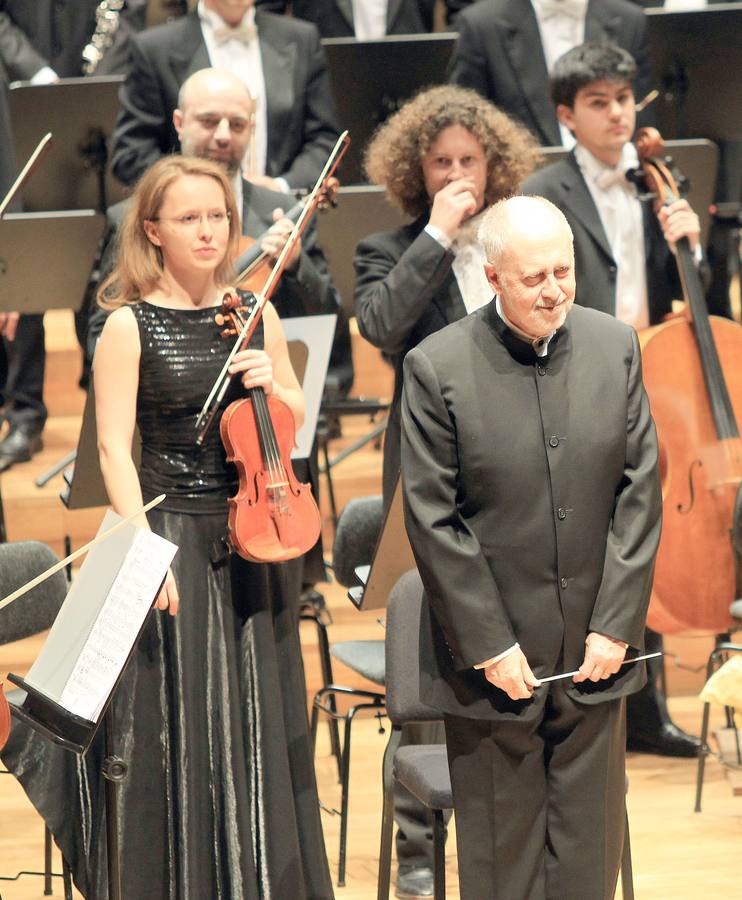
(215, 116)
(530, 263)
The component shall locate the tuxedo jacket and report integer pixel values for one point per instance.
(499, 54)
(300, 109)
(307, 291)
(38, 33)
(405, 290)
(595, 267)
(334, 18)
(44, 33)
(532, 503)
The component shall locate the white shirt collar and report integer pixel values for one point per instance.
(592, 168)
(575, 8)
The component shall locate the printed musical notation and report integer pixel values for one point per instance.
(117, 625)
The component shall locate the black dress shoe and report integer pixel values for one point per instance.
(19, 445)
(414, 882)
(668, 740)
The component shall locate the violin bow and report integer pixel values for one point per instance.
(42, 148)
(98, 539)
(221, 385)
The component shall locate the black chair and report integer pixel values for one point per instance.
(355, 538)
(423, 769)
(723, 648)
(28, 615)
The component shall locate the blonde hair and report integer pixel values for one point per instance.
(139, 264)
(395, 155)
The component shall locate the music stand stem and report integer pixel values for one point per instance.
(114, 772)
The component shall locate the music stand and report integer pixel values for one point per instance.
(695, 57)
(371, 79)
(80, 113)
(392, 558)
(361, 210)
(697, 159)
(45, 707)
(46, 258)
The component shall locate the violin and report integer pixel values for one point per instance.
(273, 516)
(253, 264)
(693, 376)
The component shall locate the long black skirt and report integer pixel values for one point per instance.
(220, 800)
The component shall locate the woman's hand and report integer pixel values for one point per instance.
(168, 598)
(255, 367)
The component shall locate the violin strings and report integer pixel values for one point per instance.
(265, 425)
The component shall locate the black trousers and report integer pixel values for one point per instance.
(23, 382)
(540, 805)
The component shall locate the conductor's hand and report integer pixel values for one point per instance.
(275, 240)
(255, 368)
(452, 205)
(513, 675)
(603, 658)
(168, 597)
(678, 220)
(8, 324)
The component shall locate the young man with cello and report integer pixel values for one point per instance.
(624, 262)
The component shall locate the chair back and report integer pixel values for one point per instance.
(355, 537)
(402, 684)
(35, 611)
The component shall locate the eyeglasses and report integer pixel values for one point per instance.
(215, 218)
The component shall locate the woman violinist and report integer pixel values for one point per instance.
(241, 815)
(220, 800)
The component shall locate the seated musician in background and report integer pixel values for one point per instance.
(279, 59)
(368, 20)
(506, 49)
(215, 119)
(624, 262)
(442, 157)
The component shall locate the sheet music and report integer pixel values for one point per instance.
(117, 625)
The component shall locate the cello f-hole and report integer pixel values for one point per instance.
(684, 509)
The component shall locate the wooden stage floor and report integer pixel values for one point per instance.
(677, 854)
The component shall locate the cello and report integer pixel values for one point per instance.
(693, 376)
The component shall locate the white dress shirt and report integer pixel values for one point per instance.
(243, 59)
(369, 19)
(468, 263)
(621, 215)
(678, 5)
(561, 24)
(238, 195)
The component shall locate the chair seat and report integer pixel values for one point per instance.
(365, 657)
(423, 770)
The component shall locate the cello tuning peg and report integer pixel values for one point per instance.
(220, 319)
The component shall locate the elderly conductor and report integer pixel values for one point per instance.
(532, 502)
